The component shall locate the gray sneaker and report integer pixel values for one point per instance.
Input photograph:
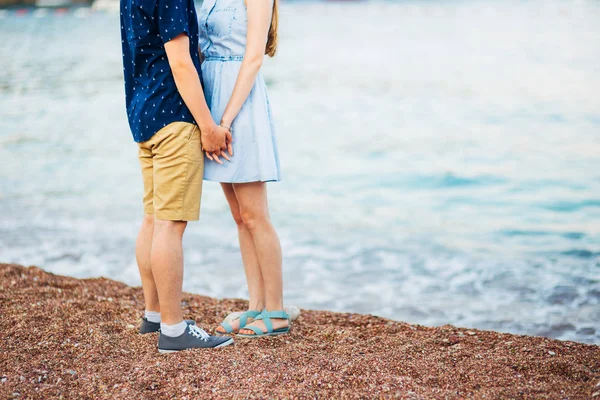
(151, 327)
(192, 338)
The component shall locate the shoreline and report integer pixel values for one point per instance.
(77, 338)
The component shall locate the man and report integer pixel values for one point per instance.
(172, 125)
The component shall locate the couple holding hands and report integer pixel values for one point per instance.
(183, 71)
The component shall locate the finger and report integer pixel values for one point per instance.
(224, 143)
(225, 156)
(209, 156)
(229, 141)
(215, 154)
(216, 158)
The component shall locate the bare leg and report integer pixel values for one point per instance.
(167, 267)
(254, 276)
(252, 198)
(142, 255)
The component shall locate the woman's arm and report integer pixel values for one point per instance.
(259, 21)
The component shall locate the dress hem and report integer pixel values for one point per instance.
(244, 181)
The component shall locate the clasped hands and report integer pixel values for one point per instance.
(216, 142)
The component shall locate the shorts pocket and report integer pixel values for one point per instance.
(194, 145)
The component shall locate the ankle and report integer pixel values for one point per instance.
(171, 319)
(152, 316)
(274, 307)
(173, 330)
(256, 305)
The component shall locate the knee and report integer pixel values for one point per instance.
(252, 220)
(148, 220)
(237, 217)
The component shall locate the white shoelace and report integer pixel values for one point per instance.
(199, 333)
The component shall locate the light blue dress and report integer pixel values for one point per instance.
(223, 25)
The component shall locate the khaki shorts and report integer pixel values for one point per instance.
(172, 168)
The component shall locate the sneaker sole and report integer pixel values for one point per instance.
(227, 343)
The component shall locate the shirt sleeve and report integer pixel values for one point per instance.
(172, 18)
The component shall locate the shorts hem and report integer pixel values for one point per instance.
(177, 216)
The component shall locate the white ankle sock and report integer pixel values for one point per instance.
(152, 316)
(173, 330)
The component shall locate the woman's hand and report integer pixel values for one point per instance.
(229, 137)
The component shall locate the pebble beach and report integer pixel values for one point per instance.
(70, 338)
(476, 202)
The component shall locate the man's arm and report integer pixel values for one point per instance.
(214, 138)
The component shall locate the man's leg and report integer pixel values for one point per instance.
(142, 255)
(167, 268)
(178, 168)
(144, 241)
(178, 165)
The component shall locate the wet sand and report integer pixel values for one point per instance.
(71, 338)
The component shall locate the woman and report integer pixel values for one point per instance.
(234, 37)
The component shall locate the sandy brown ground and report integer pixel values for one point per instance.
(69, 338)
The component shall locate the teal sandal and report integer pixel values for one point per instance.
(266, 317)
(243, 321)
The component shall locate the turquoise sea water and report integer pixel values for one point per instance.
(441, 161)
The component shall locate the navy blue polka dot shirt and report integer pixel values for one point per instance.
(151, 96)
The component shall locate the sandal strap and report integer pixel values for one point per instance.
(247, 314)
(253, 313)
(267, 315)
(227, 326)
(256, 330)
(278, 314)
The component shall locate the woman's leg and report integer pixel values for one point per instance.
(251, 267)
(252, 198)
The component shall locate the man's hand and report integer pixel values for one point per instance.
(214, 155)
(214, 138)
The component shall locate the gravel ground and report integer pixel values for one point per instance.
(70, 338)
